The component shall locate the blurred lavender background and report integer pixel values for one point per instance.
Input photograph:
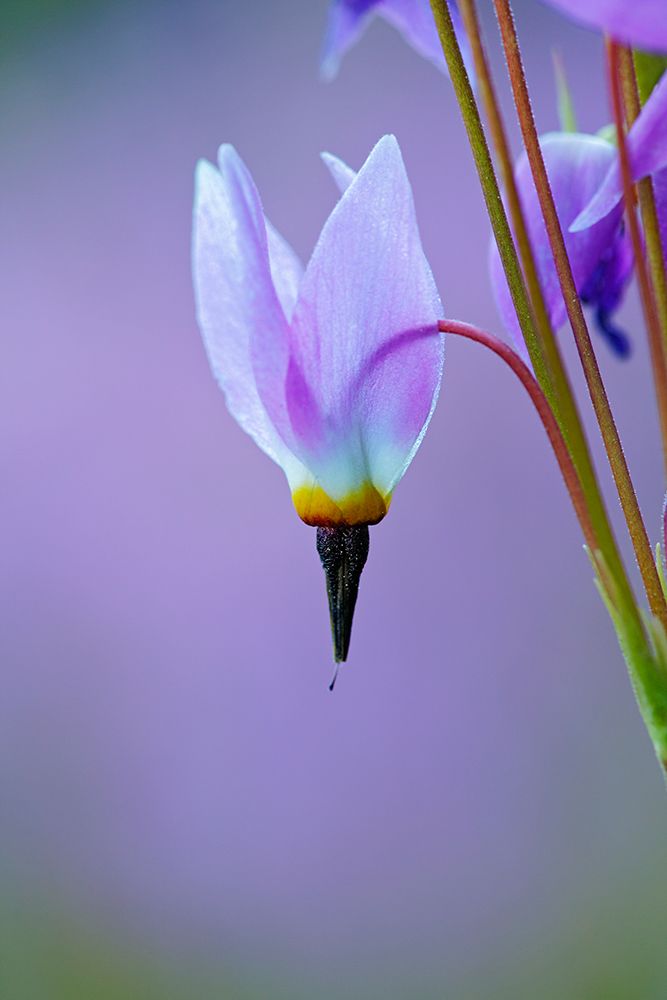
(185, 809)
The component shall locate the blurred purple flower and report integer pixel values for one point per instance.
(601, 256)
(642, 23)
(334, 371)
(413, 18)
(647, 149)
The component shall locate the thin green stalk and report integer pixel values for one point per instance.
(605, 541)
(646, 290)
(575, 312)
(566, 113)
(492, 196)
(567, 411)
(502, 149)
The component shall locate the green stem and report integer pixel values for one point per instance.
(502, 150)
(566, 114)
(646, 290)
(492, 196)
(575, 313)
(567, 411)
(604, 536)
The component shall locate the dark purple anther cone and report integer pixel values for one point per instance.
(343, 552)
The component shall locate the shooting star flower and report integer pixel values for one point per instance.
(334, 370)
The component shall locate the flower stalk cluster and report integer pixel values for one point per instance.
(641, 636)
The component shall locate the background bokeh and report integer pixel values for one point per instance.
(186, 811)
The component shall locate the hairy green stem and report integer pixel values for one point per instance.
(502, 150)
(567, 411)
(492, 196)
(596, 387)
(605, 540)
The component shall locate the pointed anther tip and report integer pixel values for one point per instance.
(343, 552)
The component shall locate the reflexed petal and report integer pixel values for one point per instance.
(638, 22)
(575, 164)
(342, 396)
(346, 22)
(341, 173)
(235, 293)
(647, 147)
(366, 357)
(286, 269)
(413, 18)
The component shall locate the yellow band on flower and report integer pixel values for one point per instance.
(363, 506)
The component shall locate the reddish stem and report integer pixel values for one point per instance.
(545, 413)
(596, 387)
